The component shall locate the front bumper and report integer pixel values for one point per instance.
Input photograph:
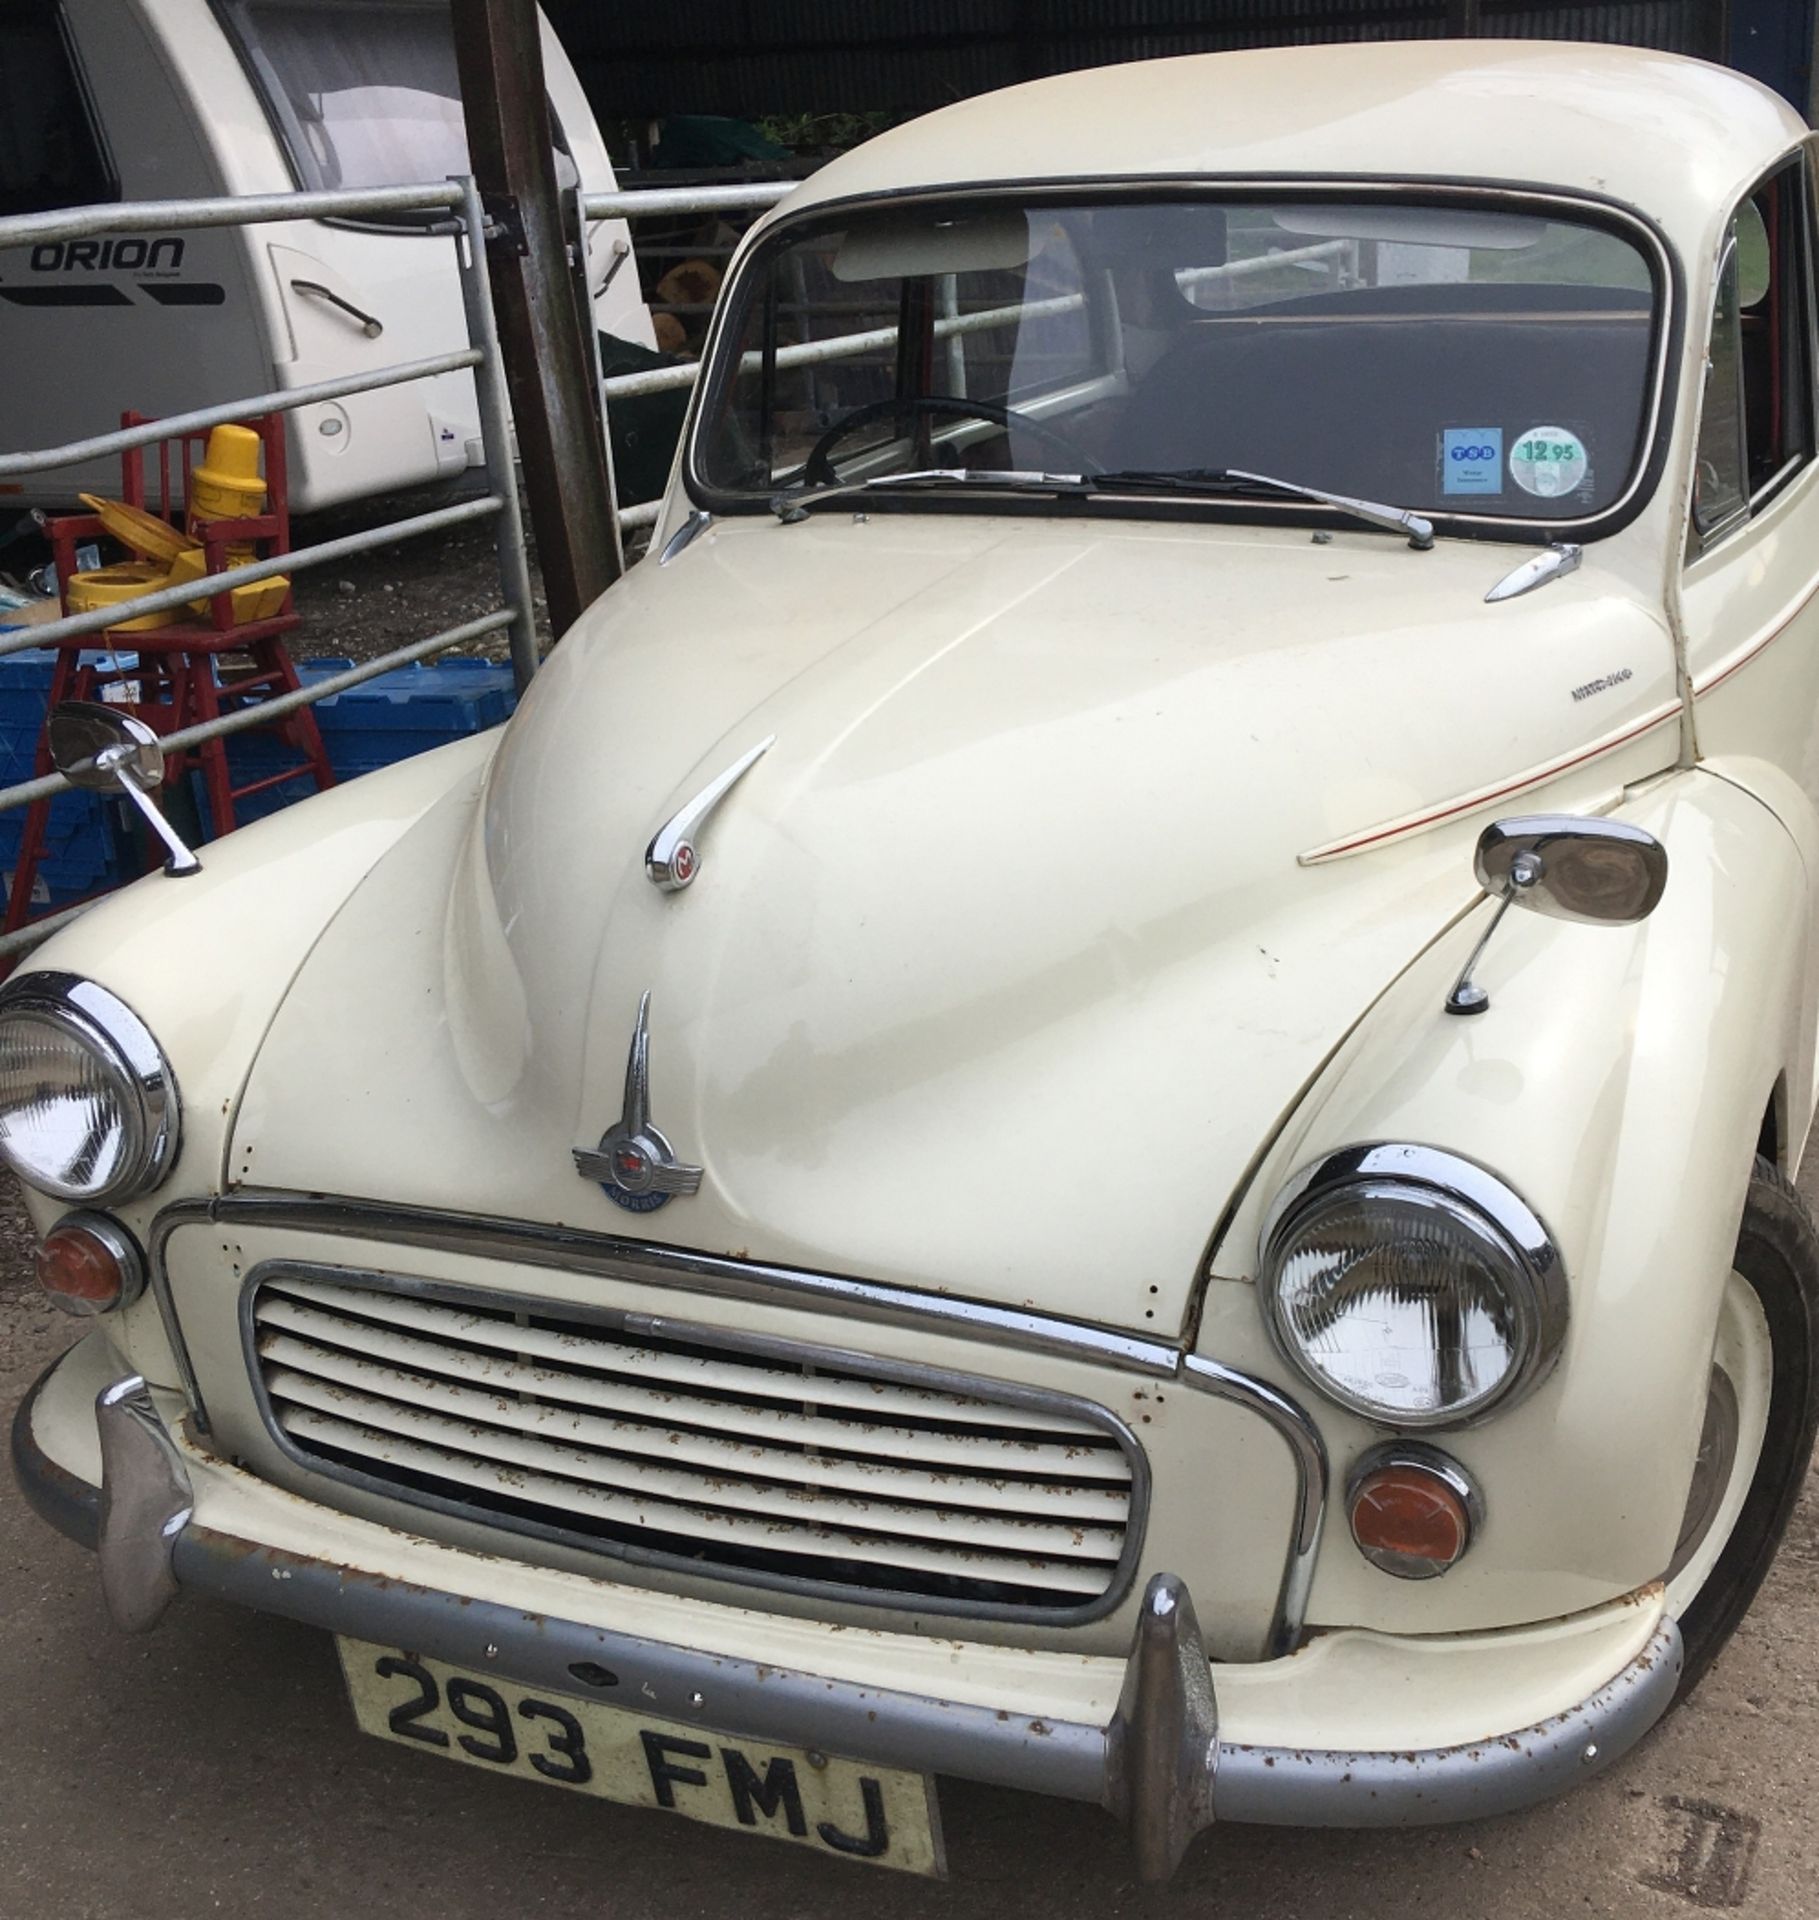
(1158, 1761)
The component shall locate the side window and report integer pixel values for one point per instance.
(50, 151)
(1756, 425)
(1720, 484)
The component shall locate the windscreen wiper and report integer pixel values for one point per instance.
(793, 504)
(1234, 480)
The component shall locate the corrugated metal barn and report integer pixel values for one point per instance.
(751, 57)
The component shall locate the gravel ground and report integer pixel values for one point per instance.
(213, 1767)
(403, 591)
(407, 589)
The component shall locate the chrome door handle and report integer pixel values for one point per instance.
(622, 252)
(370, 325)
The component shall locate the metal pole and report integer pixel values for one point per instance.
(283, 399)
(499, 55)
(949, 289)
(224, 210)
(496, 435)
(638, 203)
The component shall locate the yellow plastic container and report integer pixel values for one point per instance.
(257, 601)
(109, 586)
(228, 484)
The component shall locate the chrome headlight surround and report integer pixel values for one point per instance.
(133, 1075)
(1470, 1202)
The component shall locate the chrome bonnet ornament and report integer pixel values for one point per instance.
(671, 860)
(636, 1167)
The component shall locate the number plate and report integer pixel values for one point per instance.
(846, 1808)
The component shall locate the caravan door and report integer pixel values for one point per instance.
(91, 112)
(363, 93)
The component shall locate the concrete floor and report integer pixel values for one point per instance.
(213, 1767)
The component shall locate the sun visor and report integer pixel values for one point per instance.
(1412, 226)
(907, 246)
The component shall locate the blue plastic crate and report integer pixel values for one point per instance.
(82, 826)
(381, 721)
(28, 673)
(84, 851)
(253, 806)
(373, 725)
(446, 699)
(85, 847)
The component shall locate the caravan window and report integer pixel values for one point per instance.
(50, 152)
(363, 93)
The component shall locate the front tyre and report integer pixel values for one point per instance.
(1760, 1414)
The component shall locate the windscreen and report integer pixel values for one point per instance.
(1465, 359)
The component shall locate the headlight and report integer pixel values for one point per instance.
(88, 1106)
(1411, 1286)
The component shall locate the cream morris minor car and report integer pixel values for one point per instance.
(1098, 1093)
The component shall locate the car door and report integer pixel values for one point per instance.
(1750, 586)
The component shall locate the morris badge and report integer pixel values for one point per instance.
(634, 1164)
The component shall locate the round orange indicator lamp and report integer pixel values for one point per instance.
(1414, 1510)
(89, 1264)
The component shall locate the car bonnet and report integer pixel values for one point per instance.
(1076, 849)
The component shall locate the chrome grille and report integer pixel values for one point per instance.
(756, 1464)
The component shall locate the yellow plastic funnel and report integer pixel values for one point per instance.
(147, 535)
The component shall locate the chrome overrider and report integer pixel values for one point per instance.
(1160, 1766)
(145, 1505)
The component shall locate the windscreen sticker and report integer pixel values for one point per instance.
(1549, 462)
(1471, 459)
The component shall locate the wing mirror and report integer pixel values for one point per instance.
(1598, 872)
(103, 750)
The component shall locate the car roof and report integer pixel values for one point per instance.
(1677, 138)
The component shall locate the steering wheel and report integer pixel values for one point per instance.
(820, 468)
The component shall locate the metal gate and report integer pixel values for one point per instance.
(463, 219)
(459, 205)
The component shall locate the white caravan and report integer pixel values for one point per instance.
(161, 99)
